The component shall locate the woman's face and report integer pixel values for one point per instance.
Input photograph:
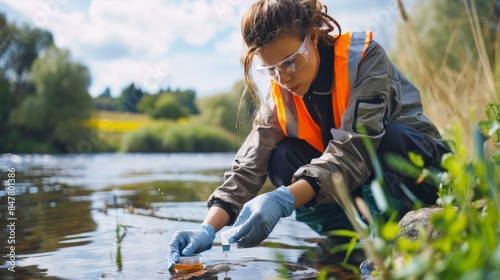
(284, 55)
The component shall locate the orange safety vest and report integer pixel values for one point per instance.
(293, 116)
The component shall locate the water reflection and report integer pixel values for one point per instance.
(47, 218)
(112, 216)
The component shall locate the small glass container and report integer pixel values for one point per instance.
(192, 262)
(225, 235)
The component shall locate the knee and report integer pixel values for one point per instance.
(292, 151)
(395, 138)
(400, 139)
(284, 148)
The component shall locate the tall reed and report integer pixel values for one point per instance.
(459, 87)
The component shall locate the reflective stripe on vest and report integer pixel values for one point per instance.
(293, 116)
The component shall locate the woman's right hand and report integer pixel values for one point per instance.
(190, 242)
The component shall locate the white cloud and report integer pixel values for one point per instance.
(232, 45)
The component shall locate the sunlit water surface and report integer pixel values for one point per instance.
(111, 216)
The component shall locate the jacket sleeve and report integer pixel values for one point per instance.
(374, 98)
(250, 166)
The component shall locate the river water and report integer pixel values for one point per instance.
(111, 216)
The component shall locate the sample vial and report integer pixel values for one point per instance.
(225, 235)
(192, 262)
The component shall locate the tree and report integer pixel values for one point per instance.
(19, 47)
(186, 98)
(104, 101)
(4, 98)
(105, 93)
(129, 98)
(167, 107)
(161, 105)
(61, 100)
(224, 110)
(147, 104)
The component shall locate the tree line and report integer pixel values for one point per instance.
(165, 104)
(44, 98)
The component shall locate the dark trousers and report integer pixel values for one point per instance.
(399, 139)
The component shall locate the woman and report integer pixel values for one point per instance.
(327, 93)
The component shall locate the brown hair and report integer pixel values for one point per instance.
(268, 19)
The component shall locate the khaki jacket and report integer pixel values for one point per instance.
(381, 94)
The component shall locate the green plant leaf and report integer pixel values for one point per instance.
(416, 159)
(496, 158)
(352, 245)
(343, 232)
(339, 248)
(379, 196)
(409, 246)
(457, 225)
(390, 230)
(449, 162)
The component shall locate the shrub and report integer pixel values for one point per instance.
(180, 137)
(167, 107)
(224, 110)
(197, 138)
(147, 139)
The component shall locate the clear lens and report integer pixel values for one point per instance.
(290, 65)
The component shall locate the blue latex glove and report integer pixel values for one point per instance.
(260, 215)
(190, 242)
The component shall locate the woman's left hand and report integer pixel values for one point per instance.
(260, 215)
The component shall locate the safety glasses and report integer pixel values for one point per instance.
(289, 65)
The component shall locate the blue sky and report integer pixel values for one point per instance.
(193, 44)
